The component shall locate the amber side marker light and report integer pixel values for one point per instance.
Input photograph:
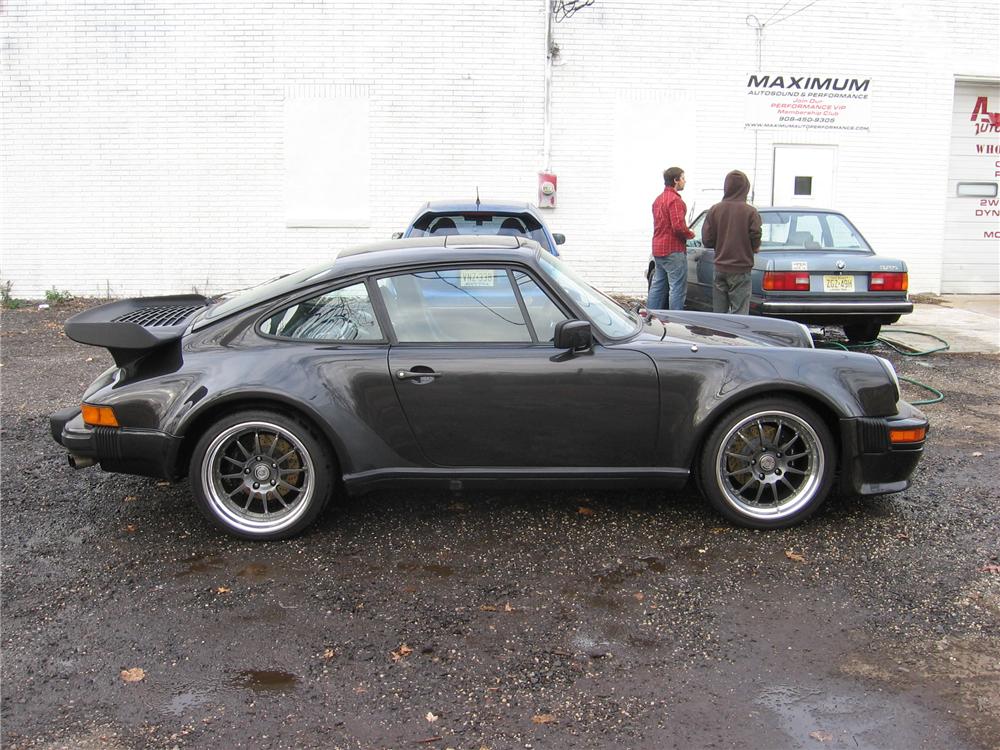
(908, 436)
(98, 416)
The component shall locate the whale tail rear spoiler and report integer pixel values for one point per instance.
(131, 328)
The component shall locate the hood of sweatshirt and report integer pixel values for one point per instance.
(736, 187)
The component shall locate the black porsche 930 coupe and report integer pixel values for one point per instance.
(469, 361)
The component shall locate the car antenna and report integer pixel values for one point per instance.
(477, 197)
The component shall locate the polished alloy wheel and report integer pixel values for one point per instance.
(770, 465)
(258, 477)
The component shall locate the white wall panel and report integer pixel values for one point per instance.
(144, 144)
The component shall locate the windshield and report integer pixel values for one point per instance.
(808, 230)
(607, 315)
(267, 290)
(480, 223)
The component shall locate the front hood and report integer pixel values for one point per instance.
(844, 261)
(716, 329)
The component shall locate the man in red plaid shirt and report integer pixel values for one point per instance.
(670, 236)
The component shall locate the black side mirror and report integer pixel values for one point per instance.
(397, 235)
(574, 335)
(559, 238)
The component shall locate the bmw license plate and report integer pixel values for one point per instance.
(838, 283)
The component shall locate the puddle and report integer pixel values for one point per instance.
(442, 571)
(841, 716)
(185, 702)
(200, 564)
(262, 681)
(256, 571)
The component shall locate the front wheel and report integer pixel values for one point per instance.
(260, 475)
(768, 464)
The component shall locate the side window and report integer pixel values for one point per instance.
(541, 309)
(454, 305)
(696, 228)
(341, 315)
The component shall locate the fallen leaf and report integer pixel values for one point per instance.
(543, 719)
(130, 528)
(329, 653)
(991, 568)
(488, 608)
(402, 652)
(719, 529)
(130, 498)
(222, 590)
(639, 596)
(90, 359)
(793, 555)
(584, 511)
(431, 717)
(163, 484)
(977, 454)
(821, 736)
(508, 608)
(135, 674)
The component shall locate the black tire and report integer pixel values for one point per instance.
(261, 475)
(862, 332)
(768, 464)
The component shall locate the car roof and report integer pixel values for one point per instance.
(465, 205)
(389, 254)
(807, 209)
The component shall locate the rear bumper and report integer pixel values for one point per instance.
(129, 451)
(834, 310)
(872, 465)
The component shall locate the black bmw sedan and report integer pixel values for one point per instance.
(468, 361)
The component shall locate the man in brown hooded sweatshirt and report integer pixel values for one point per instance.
(732, 227)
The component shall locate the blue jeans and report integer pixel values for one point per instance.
(669, 270)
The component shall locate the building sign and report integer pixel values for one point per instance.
(800, 101)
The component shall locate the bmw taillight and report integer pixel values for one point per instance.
(786, 281)
(888, 282)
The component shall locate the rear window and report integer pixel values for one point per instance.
(491, 223)
(808, 230)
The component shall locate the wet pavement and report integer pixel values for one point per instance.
(495, 620)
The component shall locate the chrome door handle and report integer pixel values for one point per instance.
(411, 375)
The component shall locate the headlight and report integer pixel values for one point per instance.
(891, 372)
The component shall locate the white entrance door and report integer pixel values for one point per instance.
(971, 257)
(804, 176)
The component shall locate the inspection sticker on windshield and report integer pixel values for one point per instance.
(476, 277)
(800, 265)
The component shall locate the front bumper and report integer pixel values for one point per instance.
(148, 453)
(872, 465)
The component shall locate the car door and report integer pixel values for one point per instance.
(482, 386)
(701, 269)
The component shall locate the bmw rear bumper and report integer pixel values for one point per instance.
(872, 464)
(129, 451)
(838, 309)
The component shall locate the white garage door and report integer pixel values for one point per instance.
(971, 262)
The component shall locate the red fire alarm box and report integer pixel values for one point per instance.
(546, 190)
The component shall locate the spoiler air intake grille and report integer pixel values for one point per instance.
(165, 315)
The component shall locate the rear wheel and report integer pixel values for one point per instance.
(863, 331)
(261, 475)
(768, 464)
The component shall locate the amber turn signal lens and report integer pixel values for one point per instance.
(99, 416)
(908, 436)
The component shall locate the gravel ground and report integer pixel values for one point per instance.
(495, 620)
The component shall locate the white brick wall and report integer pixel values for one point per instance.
(142, 141)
